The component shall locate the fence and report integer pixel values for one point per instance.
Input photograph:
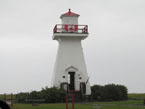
(8, 98)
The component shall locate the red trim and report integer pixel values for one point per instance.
(71, 29)
(69, 13)
(12, 100)
(73, 100)
(5, 98)
(76, 27)
(66, 27)
(66, 102)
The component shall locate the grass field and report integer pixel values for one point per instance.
(130, 104)
(51, 106)
(136, 96)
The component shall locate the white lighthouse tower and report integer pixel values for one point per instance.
(70, 71)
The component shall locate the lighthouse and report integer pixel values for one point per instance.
(70, 73)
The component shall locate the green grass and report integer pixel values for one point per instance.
(136, 96)
(118, 107)
(51, 106)
(130, 104)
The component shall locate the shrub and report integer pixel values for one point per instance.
(109, 92)
(50, 95)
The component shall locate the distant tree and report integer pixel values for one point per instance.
(109, 92)
(50, 95)
(112, 92)
(98, 92)
(21, 97)
(124, 91)
(34, 95)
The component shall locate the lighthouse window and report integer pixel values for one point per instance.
(80, 77)
(63, 76)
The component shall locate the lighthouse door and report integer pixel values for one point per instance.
(71, 80)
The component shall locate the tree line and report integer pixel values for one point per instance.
(109, 92)
(54, 95)
(46, 95)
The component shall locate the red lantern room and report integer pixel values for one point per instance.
(70, 24)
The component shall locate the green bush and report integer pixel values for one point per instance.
(53, 95)
(109, 92)
(21, 97)
(50, 95)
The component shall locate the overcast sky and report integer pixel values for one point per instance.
(114, 51)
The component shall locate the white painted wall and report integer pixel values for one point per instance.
(70, 53)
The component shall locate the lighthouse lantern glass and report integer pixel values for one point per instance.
(70, 20)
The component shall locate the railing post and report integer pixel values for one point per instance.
(73, 101)
(12, 100)
(5, 97)
(55, 29)
(66, 101)
(86, 28)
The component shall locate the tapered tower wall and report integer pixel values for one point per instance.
(70, 53)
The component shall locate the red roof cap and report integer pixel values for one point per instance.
(69, 13)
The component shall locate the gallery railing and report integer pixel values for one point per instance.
(69, 28)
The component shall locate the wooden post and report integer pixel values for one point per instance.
(5, 97)
(12, 100)
(73, 101)
(66, 101)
